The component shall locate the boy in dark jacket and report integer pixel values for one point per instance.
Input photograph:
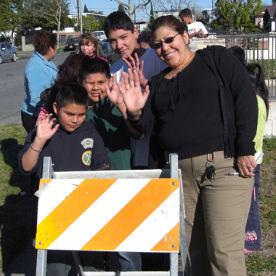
(74, 145)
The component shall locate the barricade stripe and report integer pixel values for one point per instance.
(132, 215)
(57, 190)
(82, 197)
(156, 226)
(42, 181)
(171, 240)
(98, 214)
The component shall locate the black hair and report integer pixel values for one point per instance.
(69, 93)
(239, 53)
(185, 13)
(169, 21)
(117, 20)
(144, 36)
(256, 74)
(257, 78)
(93, 66)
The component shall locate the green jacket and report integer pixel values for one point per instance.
(110, 124)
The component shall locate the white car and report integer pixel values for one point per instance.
(100, 35)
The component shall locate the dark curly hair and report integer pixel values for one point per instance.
(43, 40)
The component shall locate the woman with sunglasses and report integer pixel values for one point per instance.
(217, 169)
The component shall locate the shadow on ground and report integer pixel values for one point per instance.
(17, 217)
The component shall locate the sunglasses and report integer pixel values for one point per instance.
(168, 40)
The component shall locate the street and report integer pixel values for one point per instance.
(12, 91)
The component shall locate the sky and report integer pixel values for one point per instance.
(108, 6)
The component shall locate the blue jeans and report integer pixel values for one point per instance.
(253, 225)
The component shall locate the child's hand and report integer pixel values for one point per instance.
(44, 132)
(115, 95)
(45, 129)
(135, 64)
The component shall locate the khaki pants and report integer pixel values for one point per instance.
(216, 214)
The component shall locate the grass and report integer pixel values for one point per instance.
(263, 263)
(15, 209)
(269, 67)
(17, 204)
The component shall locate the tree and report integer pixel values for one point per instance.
(121, 8)
(131, 10)
(5, 16)
(151, 16)
(50, 14)
(204, 17)
(10, 15)
(85, 10)
(175, 5)
(89, 23)
(236, 15)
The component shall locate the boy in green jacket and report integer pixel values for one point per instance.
(114, 129)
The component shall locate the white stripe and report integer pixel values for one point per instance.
(155, 227)
(53, 194)
(98, 214)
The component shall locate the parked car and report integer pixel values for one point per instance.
(100, 35)
(72, 44)
(7, 52)
(109, 53)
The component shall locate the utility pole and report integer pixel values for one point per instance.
(212, 12)
(80, 9)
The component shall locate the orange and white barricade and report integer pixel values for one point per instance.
(129, 211)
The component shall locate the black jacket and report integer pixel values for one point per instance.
(188, 113)
(80, 150)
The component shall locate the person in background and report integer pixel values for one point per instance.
(195, 28)
(256, 74)
(90, 46)
(68, 73)
(217, 169)
(253, 225)
(40, 73)
(144, 39)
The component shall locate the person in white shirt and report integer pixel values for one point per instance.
(195, 28)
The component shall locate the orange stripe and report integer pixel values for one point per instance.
(170, 242)
(69, 210)
(42, 181)
(132, 215)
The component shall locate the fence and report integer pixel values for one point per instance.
(259, 48)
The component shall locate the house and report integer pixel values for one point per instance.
(96, 15)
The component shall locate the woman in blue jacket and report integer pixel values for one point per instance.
(40, 73)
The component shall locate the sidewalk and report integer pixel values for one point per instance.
(24, 54)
